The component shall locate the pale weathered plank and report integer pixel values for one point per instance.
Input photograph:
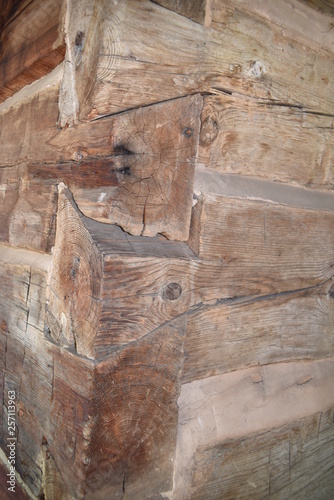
(279, 464)
(32, 45)
(278, 143)
(146, 47)
(27, 211)
(256, 432)
(263, 234)
(298, 19)
(233, 335)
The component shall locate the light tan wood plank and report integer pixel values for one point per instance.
(32, 45)
(298, 19)
(27, 211)
(278, 143)
(146, 47)
(279, 464)
(231, 336)
(262, 426)
(265, 235)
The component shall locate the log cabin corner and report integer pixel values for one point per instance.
(167, 249)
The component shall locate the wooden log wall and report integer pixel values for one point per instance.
(167, 248)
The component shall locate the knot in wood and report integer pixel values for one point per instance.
(172, 291)
(188, 132)
(331, 292)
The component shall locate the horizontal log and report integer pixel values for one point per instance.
(27, 211)
(109, 288)
(287, 145)
(256, 432)
(267, 235)
(234, 335)
(301, 21)
(131, 169)
(26, 59)
(145, 46)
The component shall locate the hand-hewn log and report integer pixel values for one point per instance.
(27, 211)
(116, 419)
(131, 169)
(147, 47)
(278, 143)
(231, 336)
(257, 432)
(82, 26)
(148, 281)
(26, 59)
(237, 231)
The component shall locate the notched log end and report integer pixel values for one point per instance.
(136, 411)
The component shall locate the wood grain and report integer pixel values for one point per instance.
(194, 9)
(265, 235)
(110, 289)
(131, 169)
(283, 463)
(25, 59)
(135, 403)
(257, 432)
(240, 136)
(239, 54)
(232, 336)
(27, 211)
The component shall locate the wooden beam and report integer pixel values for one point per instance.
(234, 335)
(261, 431)
(274, 142)
(239, 54)
(131, 169)
(27, 211)
(26, 59)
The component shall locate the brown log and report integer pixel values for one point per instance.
(131, 169)
(24, 60)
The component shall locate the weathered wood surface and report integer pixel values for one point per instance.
(27, 211)
(194, 9)
(87, 420)
(32, 44)
(257, 433)
(298, 19)
(233, 335)
(148, 281)
(82, 26)
(168, 55)
(278, 143)
(293, 461)
(271, 237)
(135, 403)
(131, 169)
